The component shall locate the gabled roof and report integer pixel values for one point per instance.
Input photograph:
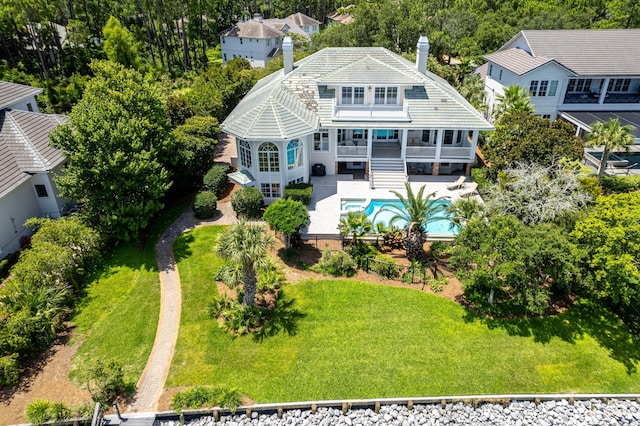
(303, 20)
(270, 28)
(252, 29)
(12, 93)
(342, 15)
(24, 146)
(585, 52)
(287, 106)
(517, 60)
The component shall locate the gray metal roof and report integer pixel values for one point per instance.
(24, 146)
(286, 106)
(12, 93)
(587, 118)
(586, 52)
(517, 60)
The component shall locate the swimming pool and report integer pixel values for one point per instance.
(373, 206)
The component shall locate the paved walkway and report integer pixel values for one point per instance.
(151, 383)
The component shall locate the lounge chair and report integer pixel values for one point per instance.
(471, 190)
(457, 184)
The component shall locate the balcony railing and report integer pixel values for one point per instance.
(581, 98)
(352, 151)
(421, 151)
(609, 98)
(455, 152)
(371, 112)
(622, 98)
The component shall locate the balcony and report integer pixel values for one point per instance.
(371, 112)
(581, 98)
(622, 98)
(352, 149)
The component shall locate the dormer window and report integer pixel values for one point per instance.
(386, 96)
(353, 95)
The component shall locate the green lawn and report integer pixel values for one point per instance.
(118, 317)
(359, 340)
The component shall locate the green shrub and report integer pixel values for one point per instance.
(201, 397)
(437, 284)
(299, 192)
(620, 184)
(205, 204)
(336, 263)
(216, 178)
(237, 318)
(37, 412)
(384, 266)
(58, 411)
(248, 202)
(9, 370)
(41, 410)
(106, 381)
(590, 185)
(480, 175)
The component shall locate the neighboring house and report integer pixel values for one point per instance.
(344, 109)
(27, 162)
(259, 40)
(344, 15)
(581, 76)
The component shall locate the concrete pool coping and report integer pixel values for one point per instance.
(328, 191)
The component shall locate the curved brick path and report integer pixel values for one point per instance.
(155, 373)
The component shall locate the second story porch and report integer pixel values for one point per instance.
(602, 91)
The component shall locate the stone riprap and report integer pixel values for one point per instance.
(547, 413)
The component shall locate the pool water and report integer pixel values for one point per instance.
(441, 226)
(633, 158)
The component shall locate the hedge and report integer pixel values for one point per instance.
(248, 203)
(299, 192)
(216, 179)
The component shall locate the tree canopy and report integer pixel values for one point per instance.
(521, 137)
(612, 137)
(609, 239)
(117, 144)
(286, 216)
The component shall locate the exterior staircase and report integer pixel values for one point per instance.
(388, 173)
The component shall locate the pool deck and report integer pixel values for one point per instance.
(324, 210)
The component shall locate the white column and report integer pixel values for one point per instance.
(369, 143)
(439, 143)
(474, 143)
(403, 143)
(603, 93)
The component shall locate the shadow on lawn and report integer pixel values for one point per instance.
(182, 246)
(584, 318)
(283, 318)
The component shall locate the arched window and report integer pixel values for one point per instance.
(294, 154)
(245, 154)
(268, 158)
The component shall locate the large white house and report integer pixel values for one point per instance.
(345, 109)
(582, 76)
(259, 40)
(27, 162)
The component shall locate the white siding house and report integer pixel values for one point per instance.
(362, 109)
(27, 163)
(581, 76)
(259, 40)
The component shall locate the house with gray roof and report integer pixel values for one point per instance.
(259, 40)
(352, 109)
(27, 163)
(581, 76)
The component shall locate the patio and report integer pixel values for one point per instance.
(324, 210)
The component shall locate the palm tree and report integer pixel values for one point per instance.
(417, 211)
(612, 136)
(462, 211)
(248, 245)
(356, 224)
(514, 98)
